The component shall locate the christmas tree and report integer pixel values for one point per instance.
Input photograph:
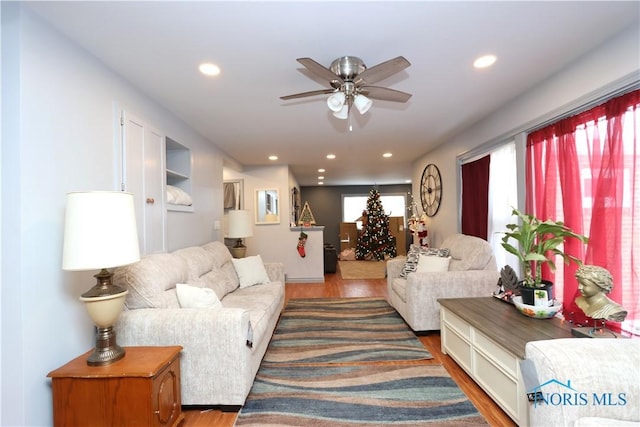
(375, 241)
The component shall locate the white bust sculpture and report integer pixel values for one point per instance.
(593, 283)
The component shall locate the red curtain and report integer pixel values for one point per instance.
(475, 197)
(585, 170)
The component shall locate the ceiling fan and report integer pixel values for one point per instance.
(349, 81)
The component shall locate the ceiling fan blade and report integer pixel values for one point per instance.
(384, 94)
(320, 70)
(310, 93)
(382, 70)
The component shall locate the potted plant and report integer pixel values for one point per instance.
(537, 244)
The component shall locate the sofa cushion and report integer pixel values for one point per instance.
(195, 297)
(152, 280)
(220, 254)
(199, 261)
(218, 281)
(433, 264)
(250, 271)
(399, 287)
(411, 261)
(262, 302)
(467, 252)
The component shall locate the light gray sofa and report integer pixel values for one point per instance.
(586, 382)
(218, 364)
(472, 273)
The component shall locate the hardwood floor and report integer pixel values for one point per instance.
(335, 287)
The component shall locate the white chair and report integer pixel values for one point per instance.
(472, 273)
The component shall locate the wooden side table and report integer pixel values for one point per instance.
(142, 389)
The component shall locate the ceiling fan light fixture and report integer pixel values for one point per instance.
(336, 101)
(362, 103)
(343, 113)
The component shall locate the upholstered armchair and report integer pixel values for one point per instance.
(472, 272)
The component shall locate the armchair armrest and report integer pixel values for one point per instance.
(603, 373)
(394, 268)
(424, 289)
(208, 338)
(275, 271)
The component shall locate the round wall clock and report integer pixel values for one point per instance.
(431, 189)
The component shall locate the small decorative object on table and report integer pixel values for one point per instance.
(594, 283)
(507, 285)
(537, 243)
(537, 311)
(306, 217)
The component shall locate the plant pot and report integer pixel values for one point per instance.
(533, 296)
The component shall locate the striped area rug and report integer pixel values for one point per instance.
(361, 395)
(351, 362)
(342, 330)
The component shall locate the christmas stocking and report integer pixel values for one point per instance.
(302, 240)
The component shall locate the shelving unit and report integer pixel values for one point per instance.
(178, 161)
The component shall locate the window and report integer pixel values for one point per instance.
(585, 170)
(352, 207)
(502, 195)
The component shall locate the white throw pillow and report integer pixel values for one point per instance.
(194, 297)
(250, 271)
(433, 264)
(177, 196)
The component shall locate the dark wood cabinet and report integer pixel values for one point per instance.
(141, 389)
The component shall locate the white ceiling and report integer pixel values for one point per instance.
(159, 45)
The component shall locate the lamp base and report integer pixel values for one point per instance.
(104, 303)
(107, 350)
(238, 252)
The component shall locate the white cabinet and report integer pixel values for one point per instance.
(490, 365)
(142, 168)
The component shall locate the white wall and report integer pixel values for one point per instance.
(267, 238)
(59, 135)
(613, 65)
(273, 241)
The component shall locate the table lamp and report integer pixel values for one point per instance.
(239, 228)
(100, 233)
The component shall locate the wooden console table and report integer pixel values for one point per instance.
(487, 338)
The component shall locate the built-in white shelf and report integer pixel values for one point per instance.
(178, 170)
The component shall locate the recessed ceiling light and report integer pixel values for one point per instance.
(387, 155)
(320, 183)
(331, 156)
(321, 170)
(485, 61)
(408, 181)
(273, 157)
(209, 69)
(321, 177)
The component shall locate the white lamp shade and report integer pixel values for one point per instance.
(343, 113)
(362, 103)
(240, 224)
(336, 101)
(100, 231)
